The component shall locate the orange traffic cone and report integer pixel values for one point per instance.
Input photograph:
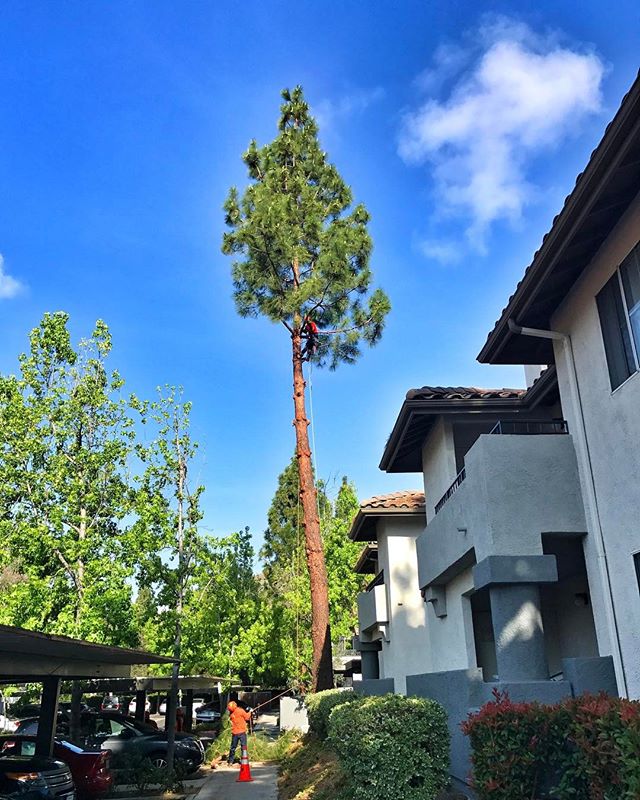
(245, 770)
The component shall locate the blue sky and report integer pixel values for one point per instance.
(461, 125)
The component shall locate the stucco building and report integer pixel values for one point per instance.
(529, 557)
(393, 638)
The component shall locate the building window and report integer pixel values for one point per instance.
(630, 274)
(619, 309)
(636, 561)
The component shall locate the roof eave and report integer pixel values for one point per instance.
(363, 528)
(435, 408)
(590, 185)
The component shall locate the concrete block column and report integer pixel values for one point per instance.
(513, 583)
(518, 631)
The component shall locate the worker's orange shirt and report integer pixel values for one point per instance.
(239, 718)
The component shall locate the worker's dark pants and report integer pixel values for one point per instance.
(237, 739)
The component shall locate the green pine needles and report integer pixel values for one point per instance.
(302, 259)
(302, 251)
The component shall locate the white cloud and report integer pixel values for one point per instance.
(448, 60)
(329, 112)
(520, 95)
(9, 287)
(441, 251)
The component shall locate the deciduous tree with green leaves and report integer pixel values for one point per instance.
(169, 511)
(302, 260)
(65, 439)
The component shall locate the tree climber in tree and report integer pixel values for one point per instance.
(310, 333)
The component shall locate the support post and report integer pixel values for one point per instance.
(48, 716)
(188, 710)
(141, 701)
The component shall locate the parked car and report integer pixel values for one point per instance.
(89, 768)
(209, 713)
(198, 702)
(24, 710)
(110, 703)
(35, 778)
(125, 736)
(132, 706)
(66, 706)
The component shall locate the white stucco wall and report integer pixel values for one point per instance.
(451, 641)
(407, 651)
(612, 423)
(438, 464)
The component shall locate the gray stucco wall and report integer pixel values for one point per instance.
(612, 422)
(516, 488)
(373, 688)
(438, 463)
(451, 642)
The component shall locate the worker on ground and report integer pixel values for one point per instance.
(239, 718)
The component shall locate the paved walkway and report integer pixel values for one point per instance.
(222, 785)
(268, 724)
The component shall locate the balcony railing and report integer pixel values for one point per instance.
(524, 427)
(451, 490)
(377, 581)
(372, 608)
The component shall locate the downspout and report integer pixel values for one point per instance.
(592, 497)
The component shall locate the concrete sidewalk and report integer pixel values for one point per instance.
(222, 785)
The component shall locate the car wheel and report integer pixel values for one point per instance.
(159, 761)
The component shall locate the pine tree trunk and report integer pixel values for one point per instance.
(322, 666)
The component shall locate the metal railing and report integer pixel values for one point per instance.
(377, 581)
(451, 490)
(531, 427)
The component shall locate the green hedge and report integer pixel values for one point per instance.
(392, 747)
(585, 748)
(321, 704)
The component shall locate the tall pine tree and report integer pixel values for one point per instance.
(302, 260)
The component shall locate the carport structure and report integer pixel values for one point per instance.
(29, 656)
(186, 683)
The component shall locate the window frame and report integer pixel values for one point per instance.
(635, 347)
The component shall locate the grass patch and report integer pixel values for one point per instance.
(310, 770)
(260, 746)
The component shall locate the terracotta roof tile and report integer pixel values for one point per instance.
(462, 393)
(410, 500)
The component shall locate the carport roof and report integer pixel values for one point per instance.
(30, 654)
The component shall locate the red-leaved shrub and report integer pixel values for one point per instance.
(585, 748)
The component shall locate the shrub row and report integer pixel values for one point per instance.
(389, 747)
(585, 748)
(321, 704)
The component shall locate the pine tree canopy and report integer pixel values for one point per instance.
(302, 249)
